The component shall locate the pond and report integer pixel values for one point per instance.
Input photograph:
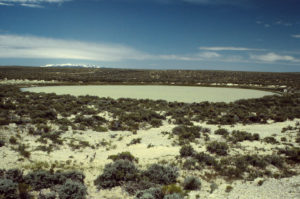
(188, 94)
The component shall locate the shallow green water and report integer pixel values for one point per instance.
(187, 94)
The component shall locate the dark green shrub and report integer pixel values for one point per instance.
(161, 174)
(156, 122)
(13, 140)
(47, 149)
(2, 143)
(151, 193)
(206, 159)
(297, 139)
(219, 148)
(8, 189)
(275, 160)
(190, 164)
(228, 188)
(231, 172)
(116, 126)
(270, 140)
(53, 136)
(123, 156)
(22, 150)
(182, 121)
(255, 161)
(39, 179)
(15, 175)
(186, 150)
(116, 173)
(42, 128)
(283, 139)
(293, 154)
(186, 134)
(255, 136)
(61, 177)
(4, 121)
(45, 179)
(139, 116)
(132, 187)
(191, 183)
(72, 190)
(51, 195)
(240, 136)
(222, 132)
(206, 130)
(135, 141)
(45, 114)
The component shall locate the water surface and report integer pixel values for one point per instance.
(187, 94)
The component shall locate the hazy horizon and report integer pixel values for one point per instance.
(235, 35)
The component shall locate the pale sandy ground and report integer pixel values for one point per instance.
(25, 81)
(92, 161)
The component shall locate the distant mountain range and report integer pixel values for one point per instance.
(72, 65)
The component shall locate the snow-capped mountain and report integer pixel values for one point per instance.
(69, 65)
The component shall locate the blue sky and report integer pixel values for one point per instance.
(247, 35)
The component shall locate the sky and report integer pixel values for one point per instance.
(240, 35)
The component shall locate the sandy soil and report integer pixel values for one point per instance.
(154, 147)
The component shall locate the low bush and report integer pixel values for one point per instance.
(187, 134)
(222, 132)
(191, 183)
(173, 189)
(228, 188)
(4, 121)
(253, 160)
(292, 153)
(15, 175)
(206, 159)
(231, 172)
(182, 121)
(72, 190)
(2, 143)
(132, 187)
(45, 179)
(116, 173)
(13, 140)
(39, 179)
(186, 151)
(123, 156)
(22, 150)
(155, 122)
(50, 195)
(75, 176)
(240, 136)
(151, 193)
(190, 164)
(53, 136)
(219, 148)
(161, 174)
(135, 141)
(275, 160)
(116, 126)
(8, 189)
(270, 140)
